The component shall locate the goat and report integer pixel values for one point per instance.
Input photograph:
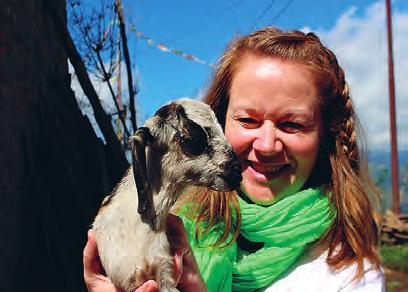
(182, 144)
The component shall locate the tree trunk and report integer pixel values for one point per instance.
(54, 171)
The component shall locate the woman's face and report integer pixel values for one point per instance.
(274, 124)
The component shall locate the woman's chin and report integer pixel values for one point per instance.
(258, 192)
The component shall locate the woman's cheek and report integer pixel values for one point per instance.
(238, 137)
(305, 144)
(305, 149)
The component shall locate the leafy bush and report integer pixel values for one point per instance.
(395, 257)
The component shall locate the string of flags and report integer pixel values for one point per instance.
(166, 49)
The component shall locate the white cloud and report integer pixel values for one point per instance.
(360, 42)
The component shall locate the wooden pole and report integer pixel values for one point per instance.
(393, 124)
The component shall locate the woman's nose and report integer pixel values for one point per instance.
(267, 141)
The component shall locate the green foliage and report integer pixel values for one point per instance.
(394, 286)
(395, 257)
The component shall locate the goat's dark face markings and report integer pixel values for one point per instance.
(192, 139)
(203, 157)
(168, 110)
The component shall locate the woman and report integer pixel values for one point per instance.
(303, 218)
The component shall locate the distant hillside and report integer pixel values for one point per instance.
(384, 157)
(380, 169)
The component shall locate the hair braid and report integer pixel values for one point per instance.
(347, 136)
(349, 181)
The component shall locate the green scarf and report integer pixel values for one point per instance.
(286, 227)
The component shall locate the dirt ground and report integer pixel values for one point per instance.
(396, 281)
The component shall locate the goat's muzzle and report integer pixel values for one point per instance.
(232, 174)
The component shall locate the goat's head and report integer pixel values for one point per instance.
(186, 147)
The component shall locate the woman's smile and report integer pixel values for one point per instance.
(267, 172)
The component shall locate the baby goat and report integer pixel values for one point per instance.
(182, 144)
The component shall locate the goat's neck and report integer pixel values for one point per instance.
(164, 190)
(163, 200)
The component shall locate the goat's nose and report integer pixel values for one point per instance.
(233, 167)
(231, 171)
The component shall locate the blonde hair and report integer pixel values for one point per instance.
(340, 167)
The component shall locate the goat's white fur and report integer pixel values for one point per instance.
(127, 245)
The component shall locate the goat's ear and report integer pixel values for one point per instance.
(191, 136)
(139, 141)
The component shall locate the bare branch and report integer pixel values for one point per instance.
(100, 38)
(107, 76)
(103, 120)
(132, 93)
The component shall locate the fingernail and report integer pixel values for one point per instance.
(179, 254)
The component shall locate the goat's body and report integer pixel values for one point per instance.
(182, 144)
(130, 251)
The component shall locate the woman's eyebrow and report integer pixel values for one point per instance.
(299, 114)
(291, 113)
(244, 110)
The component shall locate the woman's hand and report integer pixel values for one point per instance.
(186, 270)
(94, 275)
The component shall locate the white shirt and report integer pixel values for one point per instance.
(317, 275)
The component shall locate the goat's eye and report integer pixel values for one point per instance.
(193, 140)
(192, 146)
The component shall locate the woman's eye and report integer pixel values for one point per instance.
(247, 120)
(248, 123)
(291, 126)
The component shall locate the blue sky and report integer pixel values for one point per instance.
(203, 28)
(355, 30)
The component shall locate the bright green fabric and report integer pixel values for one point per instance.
(215, 263)
(286, 228)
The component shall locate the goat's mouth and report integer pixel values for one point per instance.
(231, 181)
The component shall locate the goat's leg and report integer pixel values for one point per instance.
(161, 270)
(166, 272)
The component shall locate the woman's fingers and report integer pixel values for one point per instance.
(177, 237)
(149, 286)
(91, 261)
(95, 279)
(175, 226)
(176, 234)
(187, 273)
(178, 265)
